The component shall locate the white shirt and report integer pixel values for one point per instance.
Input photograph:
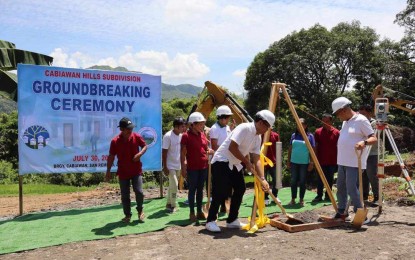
(219, 133)
(171, 143)
(354, 130)
(247, 139)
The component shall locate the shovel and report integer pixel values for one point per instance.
(361, 213)
(289, 216)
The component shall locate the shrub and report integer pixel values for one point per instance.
(8, 174)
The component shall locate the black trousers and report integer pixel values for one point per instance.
(223, 181)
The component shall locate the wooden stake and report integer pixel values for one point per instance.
(310, 148)
(20, 195)
(161, 184)
(273, 99)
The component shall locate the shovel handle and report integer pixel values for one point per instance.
(359, 168)
(272, 196)
(277, 202)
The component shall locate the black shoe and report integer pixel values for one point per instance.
(344, 217)
(317, 199)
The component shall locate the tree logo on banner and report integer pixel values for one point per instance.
(149, 135)
(36, 137)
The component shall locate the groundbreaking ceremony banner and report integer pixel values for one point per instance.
(67, 117)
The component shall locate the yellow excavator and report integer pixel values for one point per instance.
(406, 105)
(215, 96)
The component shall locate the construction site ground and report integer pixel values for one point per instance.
(389, 236)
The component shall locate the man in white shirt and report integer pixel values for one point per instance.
(227, 169)
(171, 160)
(356, 133)
(218, 133)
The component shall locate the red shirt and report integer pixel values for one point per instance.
(196, 146)
(327, 145)
(272, 149)
(125, 151)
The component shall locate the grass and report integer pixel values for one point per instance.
(9, 190)
(392, 157)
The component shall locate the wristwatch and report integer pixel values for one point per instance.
(365, 142)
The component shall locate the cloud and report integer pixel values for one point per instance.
(181, 67)
(72, 60)
(239, 73)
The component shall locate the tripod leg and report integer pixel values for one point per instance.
(381, 167)
(401, 163)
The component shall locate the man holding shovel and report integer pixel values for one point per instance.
(227, 172)
(355, 134)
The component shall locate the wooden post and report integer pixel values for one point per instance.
(161, 184)
(310, 148)
(20, 195)
(273, 99)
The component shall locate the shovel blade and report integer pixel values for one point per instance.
(360, 217)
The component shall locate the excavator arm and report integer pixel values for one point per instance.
(216, 96)
(406, 105)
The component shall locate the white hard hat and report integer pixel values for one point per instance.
(196, 117)
(267, 116)
(339, 103)
(223, 110)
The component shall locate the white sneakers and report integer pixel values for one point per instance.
(235, 224)
(268, 202)
(212, 227)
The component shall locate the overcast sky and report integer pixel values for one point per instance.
(184, 41)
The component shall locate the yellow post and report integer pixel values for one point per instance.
(310, 148)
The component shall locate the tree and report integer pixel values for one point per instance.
(406, 17)
(9, 58)
(317, 65)
(356, 58)
(8, 138)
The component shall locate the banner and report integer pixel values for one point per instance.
(67, 117)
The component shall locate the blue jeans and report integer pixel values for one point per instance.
(348, 184)
(137, 182)
(196, 180)
(328, 171)
(298, 176)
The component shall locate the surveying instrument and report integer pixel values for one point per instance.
(382, 130)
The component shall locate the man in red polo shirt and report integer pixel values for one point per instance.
(326, 146)
(126, 146)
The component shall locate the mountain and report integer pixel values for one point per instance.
(169, 92)
(105, 67)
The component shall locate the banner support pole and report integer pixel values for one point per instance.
(20, 195)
